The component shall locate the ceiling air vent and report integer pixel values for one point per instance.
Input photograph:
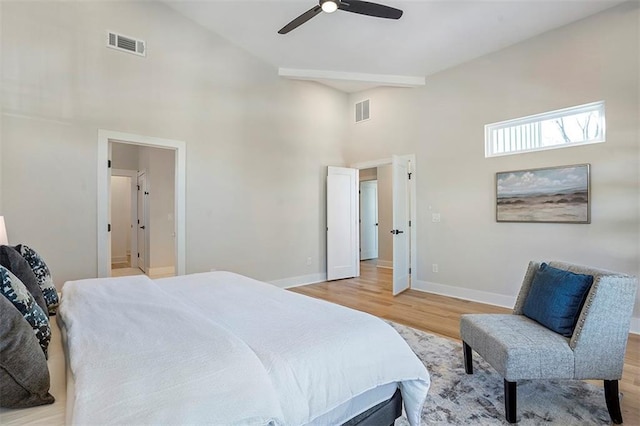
(362, 111)
(126, 44)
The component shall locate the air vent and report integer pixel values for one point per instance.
(126, 44)
(362, 111)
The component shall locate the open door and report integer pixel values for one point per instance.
(142, 225)
(343, 244)
(401, 229)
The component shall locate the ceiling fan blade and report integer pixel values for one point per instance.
(370, 9)
(300, 20)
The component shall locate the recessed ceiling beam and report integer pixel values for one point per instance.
(373, 79)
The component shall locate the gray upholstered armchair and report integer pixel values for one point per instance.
(519, 348)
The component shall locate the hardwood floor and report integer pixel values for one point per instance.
(371, 292)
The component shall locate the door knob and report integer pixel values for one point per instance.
(396, 232)
(142, 227)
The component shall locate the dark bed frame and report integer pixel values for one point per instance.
(382, 414)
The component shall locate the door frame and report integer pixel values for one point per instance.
(413, 240)
(133, 175)
(104, 207)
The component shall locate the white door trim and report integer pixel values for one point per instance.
(133, 175)
(180, 147)
(413, 210)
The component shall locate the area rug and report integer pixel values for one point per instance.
(456, 398)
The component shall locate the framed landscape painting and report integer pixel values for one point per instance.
(553, 194)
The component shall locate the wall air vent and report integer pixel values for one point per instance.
(126, 44)
(362, 111)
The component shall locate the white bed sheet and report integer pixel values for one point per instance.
(139, 356)
(318, 354)
(62, 382)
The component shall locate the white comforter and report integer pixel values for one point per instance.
(221, 348)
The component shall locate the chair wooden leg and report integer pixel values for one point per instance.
(468, 358)
(611, 395)
(510, 396)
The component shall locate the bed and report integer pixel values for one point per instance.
(220, 348)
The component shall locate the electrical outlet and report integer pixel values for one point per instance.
(434, 267)
(308, 261)
(435, 217)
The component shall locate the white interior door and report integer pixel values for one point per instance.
(143, 226)
(368, 220)
(401, 231)
(342, 223)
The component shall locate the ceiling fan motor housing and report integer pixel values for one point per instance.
(329, 6)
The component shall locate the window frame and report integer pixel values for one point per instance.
(539, 118)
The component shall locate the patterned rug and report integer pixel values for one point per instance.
(456, 398)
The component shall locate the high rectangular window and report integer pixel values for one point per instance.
(579, 125)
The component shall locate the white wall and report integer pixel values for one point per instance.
(124, 156)
(443, 124)
(120, 218)
(257, 145)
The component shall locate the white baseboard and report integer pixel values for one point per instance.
(387, 264)
(162, 270)
(298, 281)
(484, 297)
(465, 293)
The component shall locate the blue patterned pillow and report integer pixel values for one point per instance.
(556, 297)
(16, 292)
(43, 275)
(18, 266)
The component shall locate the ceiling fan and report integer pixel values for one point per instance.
(353, 6)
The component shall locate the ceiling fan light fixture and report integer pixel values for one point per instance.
(361, 7)
(329, 6)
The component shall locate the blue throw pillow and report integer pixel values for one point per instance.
(15, 292)
(556, 297)
(43, 276)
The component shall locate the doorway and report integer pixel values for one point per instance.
(368, 219)
(396, 193)
(343, 224)
(175, 217)
(124, 213)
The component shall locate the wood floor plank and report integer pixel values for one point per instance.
(371, 292)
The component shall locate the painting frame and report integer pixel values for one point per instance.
(558, 194)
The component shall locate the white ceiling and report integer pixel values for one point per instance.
(353, 52)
